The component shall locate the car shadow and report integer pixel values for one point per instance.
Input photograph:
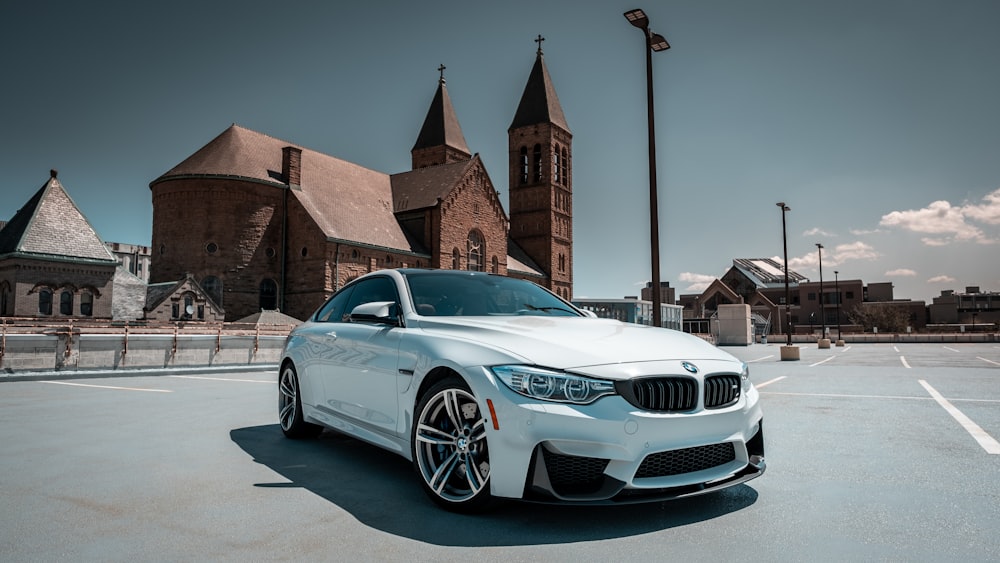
(381, 490)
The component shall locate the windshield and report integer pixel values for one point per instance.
(450, 295)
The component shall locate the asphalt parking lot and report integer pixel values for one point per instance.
(875, 452)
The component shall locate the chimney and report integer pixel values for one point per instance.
(291, 165)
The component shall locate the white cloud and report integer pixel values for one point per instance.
(863, 232)
(949, 223)
(900, 272)
(942, 279)
(700, 282)
(817, 231)
(838, 255)
(988, 212)
(853, 251)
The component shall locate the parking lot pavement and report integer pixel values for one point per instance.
(864, 463)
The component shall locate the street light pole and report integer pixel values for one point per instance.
(822, 311)
(788, 295)
(836, 281)
(652, 42)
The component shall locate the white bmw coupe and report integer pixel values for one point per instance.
(496, 388)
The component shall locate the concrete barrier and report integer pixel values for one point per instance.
(69, 352)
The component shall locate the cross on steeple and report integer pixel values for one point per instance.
(441, 70)
(539, 41)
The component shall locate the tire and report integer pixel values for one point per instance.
(290, 406)
(450, 453)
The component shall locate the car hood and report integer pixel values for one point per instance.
(575, 342)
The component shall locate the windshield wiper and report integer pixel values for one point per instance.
(549, 309)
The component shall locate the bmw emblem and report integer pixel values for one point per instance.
(691, 368)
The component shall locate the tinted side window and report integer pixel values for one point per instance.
(371, 290)
(334, 310)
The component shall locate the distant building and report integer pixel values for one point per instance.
(632, 310)
(133, 258)
(666, 293)
(52, 263)
(973, 307)
(264, 224)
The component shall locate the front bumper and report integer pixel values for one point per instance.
(610, 452)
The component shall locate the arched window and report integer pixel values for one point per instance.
(66, 303)
(188, 305)
(477, 251)
(523, 165)
(87, 304)
(4, 299)
(537, 158)
(213, 288)
(565, 167)
(556, 166)
(456, 260)
(45, 302)
(268, 295)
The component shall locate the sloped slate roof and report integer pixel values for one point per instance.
(519, 261)
(269, 317)
(51, 225)
(539, 102)
(766, 272)
(421, 188)
(441, 124)
(347, 201)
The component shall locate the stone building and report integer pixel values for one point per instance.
(263, 224)
(52, 263)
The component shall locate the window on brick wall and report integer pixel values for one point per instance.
(523, 165)
(495, 265)
(268, 295)
(537, 161)
(66, 303)
(565, 167)
(477, 251)
(87, 304)
(556, 166)
(45, 302)
(456, 260)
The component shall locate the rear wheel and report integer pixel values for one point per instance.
(290, 406)
(450, 452)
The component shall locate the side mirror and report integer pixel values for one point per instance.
(379, 312)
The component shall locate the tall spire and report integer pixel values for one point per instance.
(539, 102)
(440, 140)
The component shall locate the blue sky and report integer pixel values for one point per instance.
(876, 121)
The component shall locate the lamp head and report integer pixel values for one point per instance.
(637, 18)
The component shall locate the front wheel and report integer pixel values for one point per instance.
(290, 406)
(450, 452)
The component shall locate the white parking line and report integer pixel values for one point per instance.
(224, 379)
(758, 386)
(903, 359)
(821, 362)
(850, 396)
(990, 361)
(985, 440)
(107, 387)
(896, 349)
(952, 349)
(760, 359)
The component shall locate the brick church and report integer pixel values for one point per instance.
(262, 224)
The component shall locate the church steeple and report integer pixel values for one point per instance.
(440, 140)
(541, 179)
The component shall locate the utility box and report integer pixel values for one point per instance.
(735, 325)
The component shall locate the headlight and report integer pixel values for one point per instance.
(548, 385)
(745, 376)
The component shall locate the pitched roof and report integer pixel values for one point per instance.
(270, 317)
(441, 124)
(347, 201)
(50, 225)
(519, 261)
(424, 187)
(766, 272)
(539, 102)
